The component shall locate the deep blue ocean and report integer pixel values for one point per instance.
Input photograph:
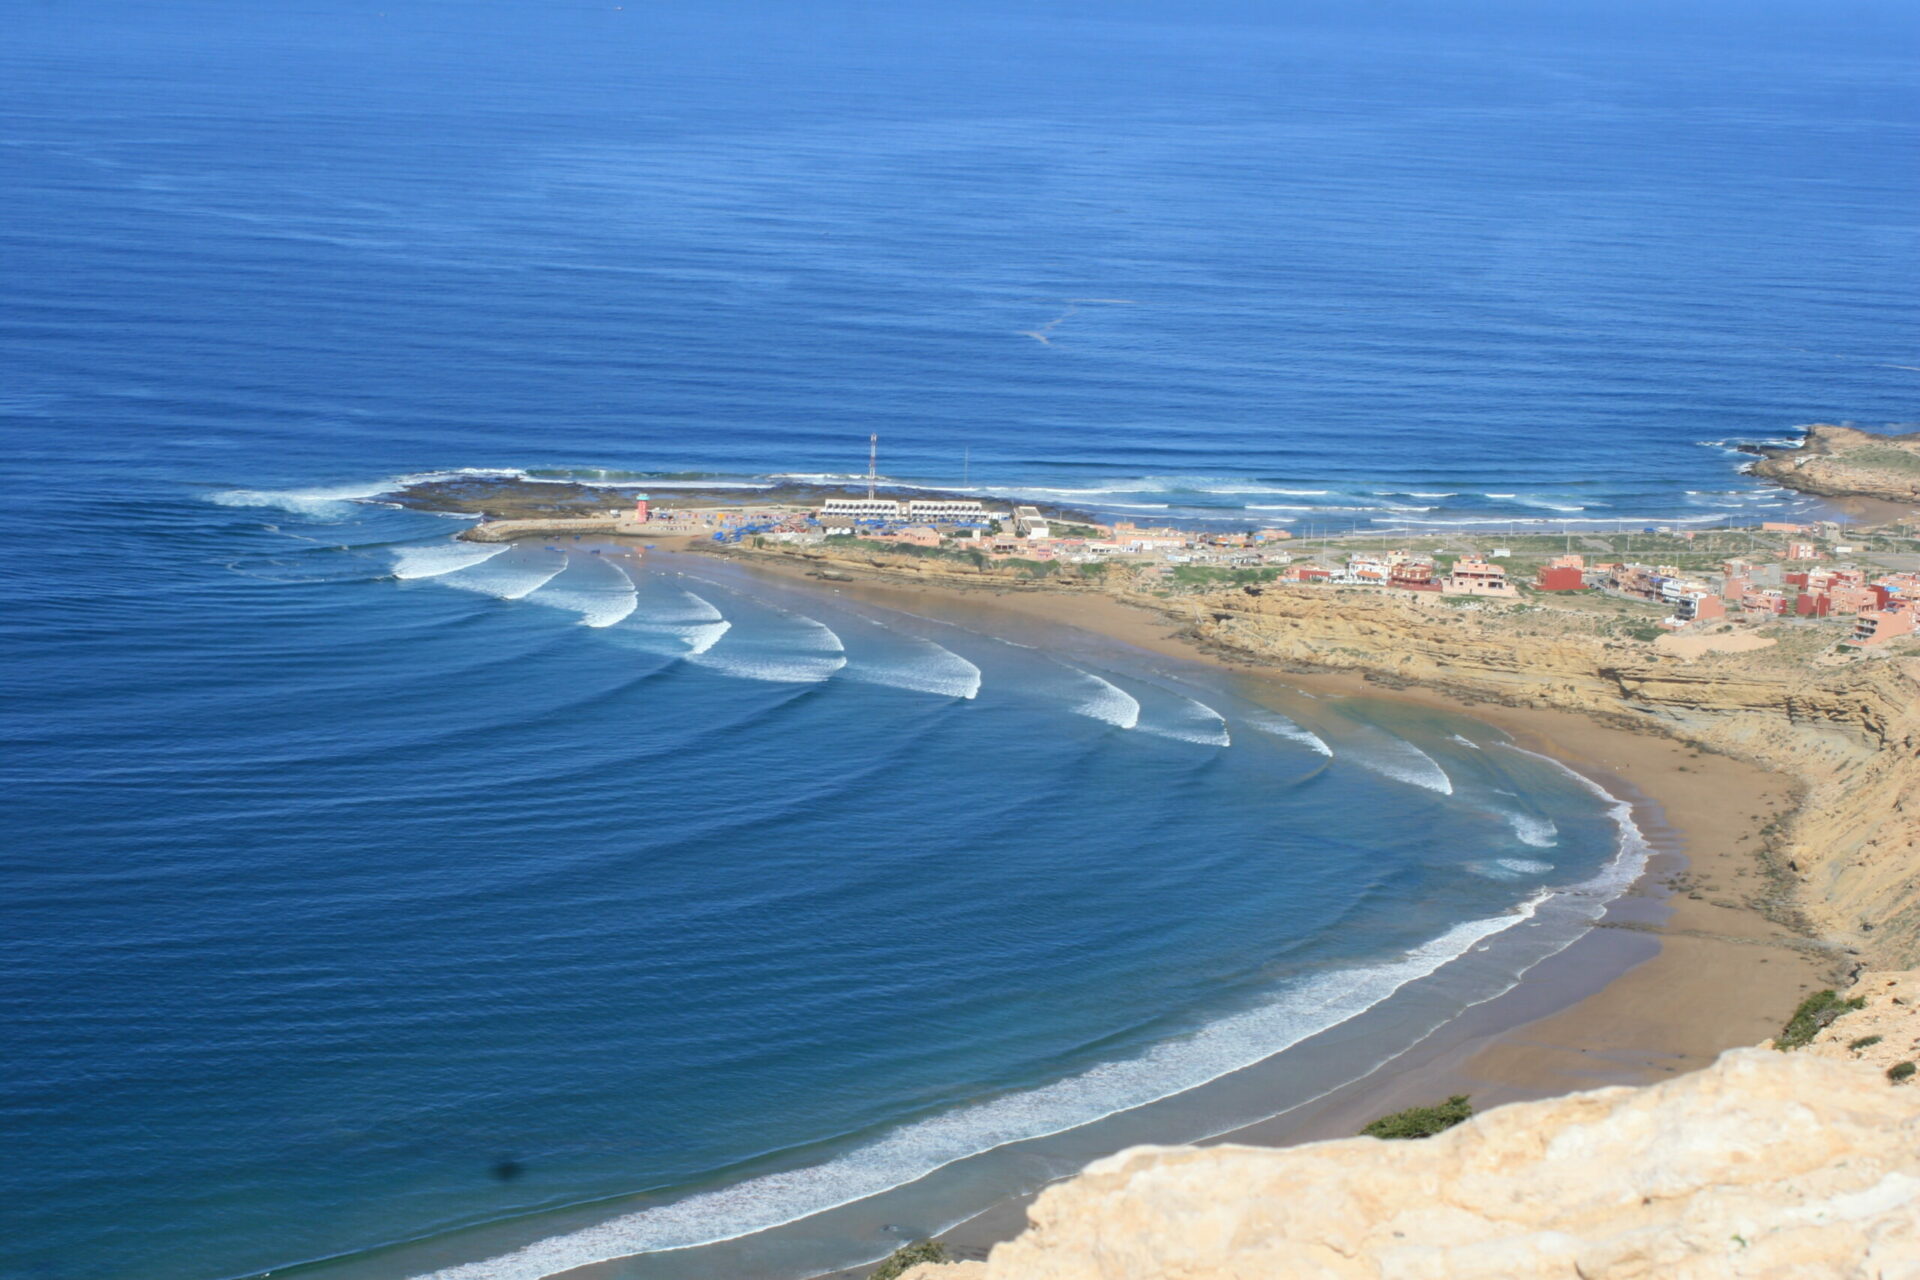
(410, 908)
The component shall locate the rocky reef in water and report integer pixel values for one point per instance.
(1846, 462)
(1766, 1164)
(510, 496)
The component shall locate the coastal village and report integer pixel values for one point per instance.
(1836, 582)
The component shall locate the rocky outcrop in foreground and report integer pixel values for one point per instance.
(1766, 1164)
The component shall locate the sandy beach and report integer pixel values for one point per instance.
(1682, 967)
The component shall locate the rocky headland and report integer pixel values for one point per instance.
(1846, 462)
(559, 503)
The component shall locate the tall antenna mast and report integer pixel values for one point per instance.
(873, 461)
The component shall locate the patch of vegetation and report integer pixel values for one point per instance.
(907, 1257)
(1813, 1016)
(900, 549)
(1882, 458)
(1094, 570)
(1901, 1071)
(1203, 575)
(1645, 632)
(1864, 1042)
(1421, 1122)
(1034, 568)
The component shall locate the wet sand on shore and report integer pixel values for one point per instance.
(1669, 980)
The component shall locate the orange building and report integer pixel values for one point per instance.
(1881, 625)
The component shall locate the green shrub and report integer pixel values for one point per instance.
(1812, 1017)
(907, 1257)
(1900, 1071)
(1862, 1043)
(1421, 1122)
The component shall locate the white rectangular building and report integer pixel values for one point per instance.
(862, 508)
(945, 509)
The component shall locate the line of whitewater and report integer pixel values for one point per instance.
(913, 1151)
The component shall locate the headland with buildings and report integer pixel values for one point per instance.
(1861, 583)
(1707, 635)
(1753, 687)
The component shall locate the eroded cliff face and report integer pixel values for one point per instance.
(1851, 733)
(1846, 462)
(1764, 1165)
(1883, 1033)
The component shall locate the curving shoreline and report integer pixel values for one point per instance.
(1705, 952)
(1640, 997)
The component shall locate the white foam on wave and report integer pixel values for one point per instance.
(924, 667)
(1281, 727)
(913, 1151)
(1188, 720)
(594, 588)
(674, 621)
(1504, 522)
(1629, 862)
(1104, 700)
(1532, 829)
(1317, 507)
(1466, 742)
(1508, 868)
(517, 573)
(332, 502)
(436, 558)
(1400, 760)
(800, 650)
(337, 502)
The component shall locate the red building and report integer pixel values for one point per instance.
(1413, 575)
(1560, 578)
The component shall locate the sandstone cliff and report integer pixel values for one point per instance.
(1850, 732)
(1884, 1032)
(1843, 462)
(1764, 1165)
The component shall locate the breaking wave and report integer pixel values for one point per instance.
(795, 649)
(926, 667)
(514, 574)
(1281, 727)
(1188, 720)
(1400, 760)
(1104, 700)
(592, 587)
(436, 558)
(913, 1151)
(1531, 829)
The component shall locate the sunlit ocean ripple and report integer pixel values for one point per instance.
(368, 888)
